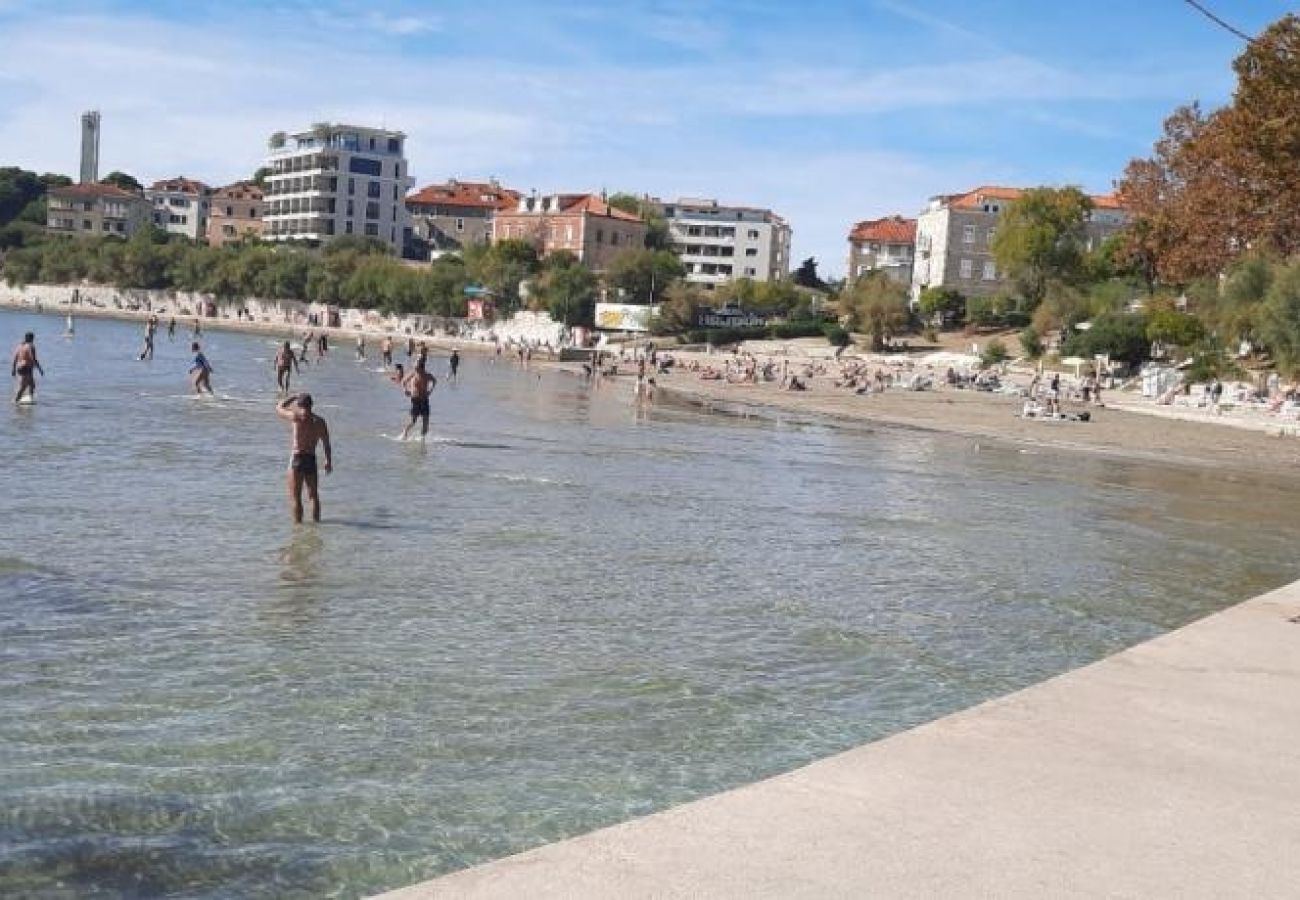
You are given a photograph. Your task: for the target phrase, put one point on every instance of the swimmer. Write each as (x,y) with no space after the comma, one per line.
(399,376)
(418,384)
(285,359)
(309,430)
(454,363)
(386,352)
(201,371)
(22,366)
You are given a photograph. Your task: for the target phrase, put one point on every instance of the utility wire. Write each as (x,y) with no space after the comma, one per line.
(1217,21)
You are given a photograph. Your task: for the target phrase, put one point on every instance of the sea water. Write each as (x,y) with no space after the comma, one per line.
(559,612)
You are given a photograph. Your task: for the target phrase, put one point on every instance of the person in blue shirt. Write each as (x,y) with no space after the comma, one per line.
(201,371)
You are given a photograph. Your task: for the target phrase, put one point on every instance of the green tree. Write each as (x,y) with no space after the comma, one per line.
(569,292)
(1167,325)
(680,308)
(122,180)
(1041,239)
(1279,320)
(642,276)
(877,305)
(806,275)
(946,303)
(1122,336)
(1031,342)
(656,236)
(501,267)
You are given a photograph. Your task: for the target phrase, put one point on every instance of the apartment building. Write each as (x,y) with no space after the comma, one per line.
(235,212)
(448,216)
(96,209)
(882,245)
(336,180)
(717,243)
(180,206)
(584,224)
(954,238)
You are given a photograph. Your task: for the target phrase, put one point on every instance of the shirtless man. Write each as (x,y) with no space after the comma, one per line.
(285,359)
(309,430)
(201,371)
(386,351)
(418,385)
(361,348)
(24,362)
(454,364)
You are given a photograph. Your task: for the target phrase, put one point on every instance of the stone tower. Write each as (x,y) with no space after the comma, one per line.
(90,147)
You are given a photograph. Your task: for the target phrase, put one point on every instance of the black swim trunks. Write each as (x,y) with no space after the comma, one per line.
(419,407)
(304,463)
(24,371)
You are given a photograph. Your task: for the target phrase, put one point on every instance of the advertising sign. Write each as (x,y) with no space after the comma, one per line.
(624,316)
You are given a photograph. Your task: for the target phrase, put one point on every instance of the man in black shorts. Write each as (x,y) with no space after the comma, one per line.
(24,362)
(418,385)
(309,430)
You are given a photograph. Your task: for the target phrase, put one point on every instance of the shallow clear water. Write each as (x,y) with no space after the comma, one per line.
(558,614)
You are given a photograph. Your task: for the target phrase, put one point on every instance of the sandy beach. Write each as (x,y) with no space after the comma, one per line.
(1124,428)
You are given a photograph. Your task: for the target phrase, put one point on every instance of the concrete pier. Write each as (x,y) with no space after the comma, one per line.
(1171,769)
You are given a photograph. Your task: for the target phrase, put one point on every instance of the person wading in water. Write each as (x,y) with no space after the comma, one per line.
(22,366)
(309,430)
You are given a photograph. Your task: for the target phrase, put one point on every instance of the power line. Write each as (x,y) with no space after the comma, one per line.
(1217,21)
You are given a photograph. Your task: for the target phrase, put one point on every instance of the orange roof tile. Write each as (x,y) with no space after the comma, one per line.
(94,189)
(471,194)
(180,185)
(974,199)
(593,205)
(240,190)
(890,230)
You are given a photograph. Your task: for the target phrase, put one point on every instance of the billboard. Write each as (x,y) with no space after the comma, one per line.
(624,316)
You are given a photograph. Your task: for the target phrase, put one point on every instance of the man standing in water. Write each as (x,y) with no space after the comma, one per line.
(24,362)
(149,328)
(309,430)
(285,359)
(418,385)
(454,364)
(171,329)
(386,351)
(201,371)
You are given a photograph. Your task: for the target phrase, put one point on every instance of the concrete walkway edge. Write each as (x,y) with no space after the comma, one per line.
(1169,769)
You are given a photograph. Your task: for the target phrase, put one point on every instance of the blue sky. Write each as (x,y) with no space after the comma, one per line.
(828,112)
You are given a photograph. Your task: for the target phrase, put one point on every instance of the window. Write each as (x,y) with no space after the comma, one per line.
(600,235)
(106,226)
(372,229)
(751,251)
(361,166)
(988,236)
(968,234)
(613,238)
(990,270)
(460,224)
(347,228)
(228,230)
(395,146)
(119,226)
(966,268)
(252,212)
(395,197)
(753,234)
(750,272)
(372,189)
(352,186)
(230,210)
(86,225)
(372,210)
(351,210)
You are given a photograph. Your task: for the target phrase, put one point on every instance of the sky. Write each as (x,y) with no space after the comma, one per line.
(826,111)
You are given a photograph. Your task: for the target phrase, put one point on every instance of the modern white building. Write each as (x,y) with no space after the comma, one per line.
(719,243)
(954,238)
(337,180)
(180,206)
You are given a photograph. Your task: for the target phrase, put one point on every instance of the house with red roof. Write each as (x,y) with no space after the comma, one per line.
(584,224)
(954,238)
(882,245)
(235,212)
(95,209)
(180,206)
(448,216)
